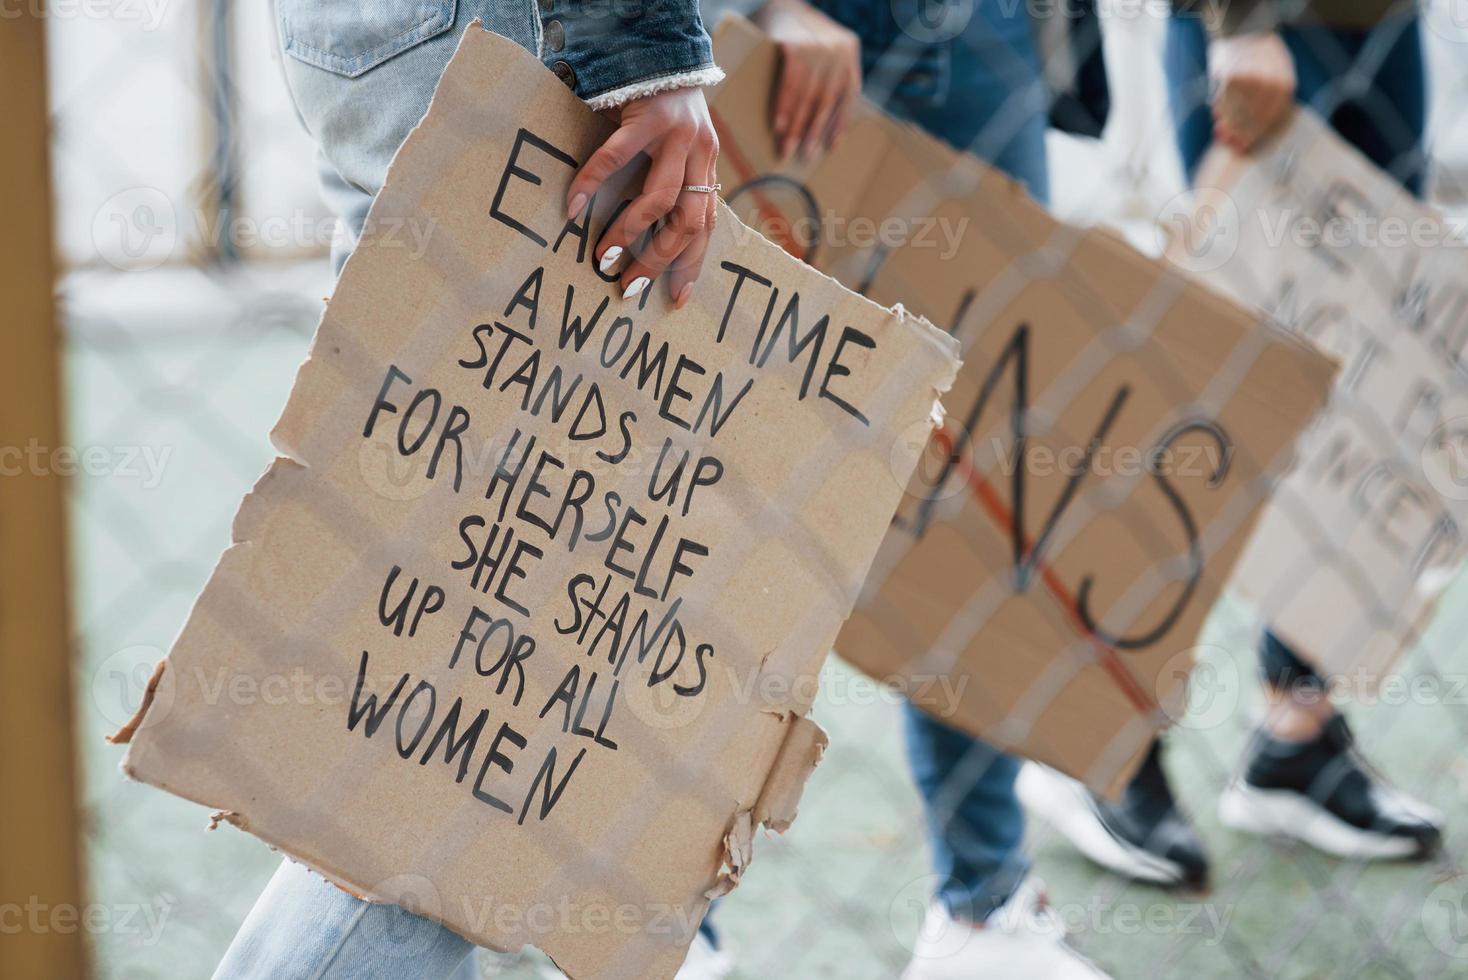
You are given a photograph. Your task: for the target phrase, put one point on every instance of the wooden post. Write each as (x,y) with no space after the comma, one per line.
(40,876)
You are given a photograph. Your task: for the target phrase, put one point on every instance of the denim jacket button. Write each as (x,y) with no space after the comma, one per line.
(565,73)
(555,35)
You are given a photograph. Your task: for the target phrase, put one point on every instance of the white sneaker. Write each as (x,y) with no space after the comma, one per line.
(1023,939)
(1144,837)
(704,962)
(1323,793)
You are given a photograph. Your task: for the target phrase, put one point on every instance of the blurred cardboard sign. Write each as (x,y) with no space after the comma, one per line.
(1108,443)
(1368,528)
(517,630)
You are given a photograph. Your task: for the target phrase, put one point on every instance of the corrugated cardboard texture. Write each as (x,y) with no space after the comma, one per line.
(1106,449)
(1367,531)
(542,695)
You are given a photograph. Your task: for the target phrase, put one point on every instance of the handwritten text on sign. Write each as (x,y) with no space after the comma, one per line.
(1105,446)
(623,608)
(570,557)
(1367,530)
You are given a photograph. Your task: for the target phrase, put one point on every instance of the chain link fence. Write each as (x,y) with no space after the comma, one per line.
(196,250)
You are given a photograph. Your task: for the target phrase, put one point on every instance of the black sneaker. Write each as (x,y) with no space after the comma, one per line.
(1144,837)
(1322,793)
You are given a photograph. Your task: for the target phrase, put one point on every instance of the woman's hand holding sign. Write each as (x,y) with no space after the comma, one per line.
(820,76)
(1253,80)
(678,199)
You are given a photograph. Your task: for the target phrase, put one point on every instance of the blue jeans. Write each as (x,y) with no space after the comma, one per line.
(304,928)
(982,92)
(1385,119)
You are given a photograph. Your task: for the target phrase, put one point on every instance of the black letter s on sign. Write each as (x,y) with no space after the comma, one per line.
(1190,529)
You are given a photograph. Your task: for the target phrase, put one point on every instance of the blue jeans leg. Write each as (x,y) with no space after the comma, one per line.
(975,821)
(1185,62)
(990,99)
(1372,87)
(305,928)
(992,104)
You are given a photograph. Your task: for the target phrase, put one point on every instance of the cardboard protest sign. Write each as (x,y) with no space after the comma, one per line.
(516,631)
(1367,530)
(1106,447)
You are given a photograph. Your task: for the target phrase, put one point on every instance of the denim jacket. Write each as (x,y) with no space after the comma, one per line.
(607,51)
(362,73)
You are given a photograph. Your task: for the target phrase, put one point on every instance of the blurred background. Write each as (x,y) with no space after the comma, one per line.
(191,268)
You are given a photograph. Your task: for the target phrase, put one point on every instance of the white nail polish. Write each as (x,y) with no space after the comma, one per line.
(636,286)
(609,258)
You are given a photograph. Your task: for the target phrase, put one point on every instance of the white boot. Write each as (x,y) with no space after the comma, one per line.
(1023,939)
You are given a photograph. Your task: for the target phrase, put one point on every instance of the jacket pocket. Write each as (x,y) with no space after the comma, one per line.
(352,38)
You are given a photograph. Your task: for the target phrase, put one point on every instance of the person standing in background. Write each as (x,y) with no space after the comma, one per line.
(1234,73)
(974,81)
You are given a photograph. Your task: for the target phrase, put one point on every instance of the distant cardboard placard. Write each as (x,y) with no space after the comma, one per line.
(1107,446)
(518,630)
(1368,529)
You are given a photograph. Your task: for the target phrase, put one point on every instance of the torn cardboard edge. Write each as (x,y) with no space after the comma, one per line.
(799,746)
(775,809)
(804,745)
(124,735)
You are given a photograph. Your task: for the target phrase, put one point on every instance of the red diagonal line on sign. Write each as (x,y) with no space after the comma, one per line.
(776,226)
(985,494)
(999,512)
